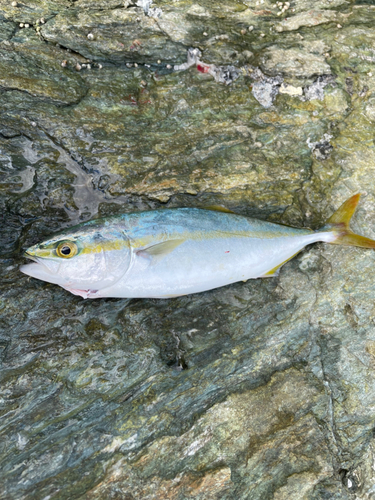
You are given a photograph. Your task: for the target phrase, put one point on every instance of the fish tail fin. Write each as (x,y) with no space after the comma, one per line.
(338,223)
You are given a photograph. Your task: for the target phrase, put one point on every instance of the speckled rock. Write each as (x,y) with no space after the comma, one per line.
(259,390)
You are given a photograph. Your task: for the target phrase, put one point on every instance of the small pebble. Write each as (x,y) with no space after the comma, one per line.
(90,36)
(68,50)
(243,32)
(21,25)
(83,65)
(135,65)
(148,66)
(143,83)
(129,65)
(159,61)
(33,124)
(262,35)
(78,67)
(42,20)
(138,19)
(339,26)
(100,66)
(369,74)
(279,13)
(205,34)
(89,66)
(168,66)
(27,25)
(14,4)
(251,28)
(64,63)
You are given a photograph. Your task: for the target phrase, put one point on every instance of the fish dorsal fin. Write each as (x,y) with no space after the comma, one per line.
(160,250)
(219,208)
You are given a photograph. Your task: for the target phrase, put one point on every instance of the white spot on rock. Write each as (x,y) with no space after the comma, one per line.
(21,442)
(290,90)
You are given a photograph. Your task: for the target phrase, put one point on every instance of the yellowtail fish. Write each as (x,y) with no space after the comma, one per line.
(167,253)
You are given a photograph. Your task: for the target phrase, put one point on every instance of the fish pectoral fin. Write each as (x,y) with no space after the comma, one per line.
(85,294)
(160,250)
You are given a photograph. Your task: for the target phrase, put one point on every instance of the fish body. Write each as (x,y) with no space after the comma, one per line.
(167,253)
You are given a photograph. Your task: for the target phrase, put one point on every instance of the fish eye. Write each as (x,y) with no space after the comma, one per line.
(66,249)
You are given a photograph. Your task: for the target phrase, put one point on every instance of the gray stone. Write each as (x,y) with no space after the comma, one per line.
(294,63)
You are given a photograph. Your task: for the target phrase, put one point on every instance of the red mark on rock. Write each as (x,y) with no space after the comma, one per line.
(135,45)
(227,251)
(202,68)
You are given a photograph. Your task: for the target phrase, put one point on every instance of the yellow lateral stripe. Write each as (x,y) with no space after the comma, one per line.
(154,239)
(144,241)
(104,246)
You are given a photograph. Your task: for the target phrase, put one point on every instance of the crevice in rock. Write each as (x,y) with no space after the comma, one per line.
(334,441)
(15,30)
(9,137)
(46,99)
(11,89)
(68,49)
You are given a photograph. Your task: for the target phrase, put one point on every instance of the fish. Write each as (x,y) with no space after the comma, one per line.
(172,252)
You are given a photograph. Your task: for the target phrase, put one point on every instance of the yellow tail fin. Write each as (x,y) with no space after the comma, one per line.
(339,222)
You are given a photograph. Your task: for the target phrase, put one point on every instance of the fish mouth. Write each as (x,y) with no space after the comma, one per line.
(30,256)
(40,270)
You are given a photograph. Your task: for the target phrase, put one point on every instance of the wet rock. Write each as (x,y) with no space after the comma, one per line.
(294,63)
(32,11)
(310,18)
(120,34)
(50,82)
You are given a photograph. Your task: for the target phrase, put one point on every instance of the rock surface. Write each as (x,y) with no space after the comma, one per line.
(259,390)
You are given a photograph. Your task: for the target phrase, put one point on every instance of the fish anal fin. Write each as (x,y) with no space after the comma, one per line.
(272,272)
(275,270)
(160,250)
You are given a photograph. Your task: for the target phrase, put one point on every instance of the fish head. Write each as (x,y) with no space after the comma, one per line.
(91,256)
